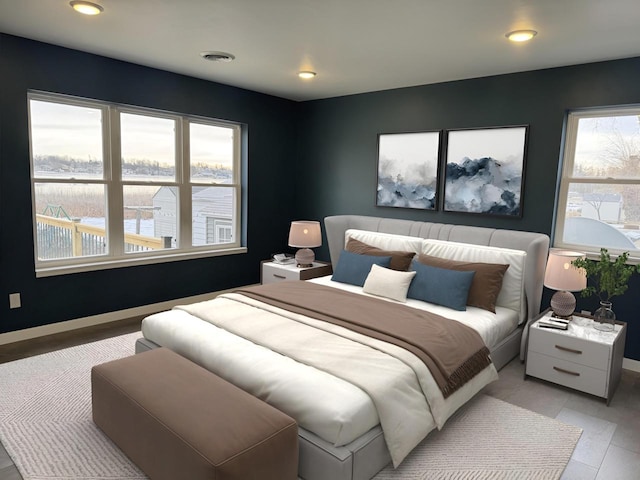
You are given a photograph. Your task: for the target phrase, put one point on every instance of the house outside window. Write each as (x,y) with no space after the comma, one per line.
(116,185)
(218,231)
(599,197)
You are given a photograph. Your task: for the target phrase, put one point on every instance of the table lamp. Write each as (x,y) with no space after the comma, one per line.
(560,275)
(305,235)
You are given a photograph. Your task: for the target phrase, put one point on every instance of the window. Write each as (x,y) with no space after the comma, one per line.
(117,185)
(599,197)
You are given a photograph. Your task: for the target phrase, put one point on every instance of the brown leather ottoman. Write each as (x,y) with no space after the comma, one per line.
(174,419)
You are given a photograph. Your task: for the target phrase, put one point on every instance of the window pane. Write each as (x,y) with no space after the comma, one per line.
(213,209)
(150,218)
(608,147)
(66,141)
(70,220)
(148,148)
(211,153)
(603,216)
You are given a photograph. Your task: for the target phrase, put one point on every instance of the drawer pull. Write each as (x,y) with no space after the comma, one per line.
(575,374)
(279,276)
(570,350)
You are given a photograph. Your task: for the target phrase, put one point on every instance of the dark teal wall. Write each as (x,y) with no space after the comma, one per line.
(24,65)
(337,145)
(326,148)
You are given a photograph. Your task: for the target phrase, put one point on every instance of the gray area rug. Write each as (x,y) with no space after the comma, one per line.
(46,427)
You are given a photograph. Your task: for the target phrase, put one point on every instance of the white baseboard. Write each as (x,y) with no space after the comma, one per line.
(44,330)
(630,364)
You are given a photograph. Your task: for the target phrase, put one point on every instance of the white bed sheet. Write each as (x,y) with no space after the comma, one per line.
(492,327)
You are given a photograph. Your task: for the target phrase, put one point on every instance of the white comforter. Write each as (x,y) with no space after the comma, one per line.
(336,383)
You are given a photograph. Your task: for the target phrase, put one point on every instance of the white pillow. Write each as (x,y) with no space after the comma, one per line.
(388,283)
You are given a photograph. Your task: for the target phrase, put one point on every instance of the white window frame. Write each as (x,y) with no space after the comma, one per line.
(567,178)
(114,183)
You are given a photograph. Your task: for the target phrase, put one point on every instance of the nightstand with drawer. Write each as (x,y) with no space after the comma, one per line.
(580,357)
(272,272)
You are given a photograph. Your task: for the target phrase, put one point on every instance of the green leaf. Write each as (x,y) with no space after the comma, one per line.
(609,278)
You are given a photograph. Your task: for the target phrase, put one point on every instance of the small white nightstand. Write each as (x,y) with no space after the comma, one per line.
(580,357)
(272,272)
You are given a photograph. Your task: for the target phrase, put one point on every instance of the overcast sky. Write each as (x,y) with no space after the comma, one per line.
(74,131)
(596,137)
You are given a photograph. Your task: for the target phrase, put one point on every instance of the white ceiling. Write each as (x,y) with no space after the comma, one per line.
(355,46)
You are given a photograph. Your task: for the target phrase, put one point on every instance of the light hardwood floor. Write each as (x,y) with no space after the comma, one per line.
(608,449)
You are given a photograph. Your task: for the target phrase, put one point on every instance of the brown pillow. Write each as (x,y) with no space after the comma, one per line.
(486,283)
(399,260)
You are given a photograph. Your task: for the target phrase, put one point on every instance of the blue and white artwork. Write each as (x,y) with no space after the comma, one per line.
(484,171)
(408,170)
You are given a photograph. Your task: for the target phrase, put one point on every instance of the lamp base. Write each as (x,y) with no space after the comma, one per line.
(305,257)
(563,303)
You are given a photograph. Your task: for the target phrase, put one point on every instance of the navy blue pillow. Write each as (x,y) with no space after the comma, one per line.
(449,288)
(354,268)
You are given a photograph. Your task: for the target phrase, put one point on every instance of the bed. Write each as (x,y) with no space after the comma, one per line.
(360,399)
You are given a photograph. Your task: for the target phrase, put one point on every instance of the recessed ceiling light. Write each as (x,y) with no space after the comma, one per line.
(306,74)
(217,56)
(86,8)
(521,35)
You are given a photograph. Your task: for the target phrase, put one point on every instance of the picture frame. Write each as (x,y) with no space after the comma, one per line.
(408,170)
(484,170)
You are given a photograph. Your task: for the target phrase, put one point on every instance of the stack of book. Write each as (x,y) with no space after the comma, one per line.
(550,322)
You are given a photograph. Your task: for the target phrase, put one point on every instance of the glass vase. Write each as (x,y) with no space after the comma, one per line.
(604,318)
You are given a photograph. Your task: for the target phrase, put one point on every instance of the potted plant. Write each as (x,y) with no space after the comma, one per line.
(609,278)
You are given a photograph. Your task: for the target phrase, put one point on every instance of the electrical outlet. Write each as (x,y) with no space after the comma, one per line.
(14,300)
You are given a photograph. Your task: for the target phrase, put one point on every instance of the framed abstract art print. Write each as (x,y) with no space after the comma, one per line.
(484,170)
(408,170)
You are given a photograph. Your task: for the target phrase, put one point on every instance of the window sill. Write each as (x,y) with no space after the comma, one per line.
(132,262)
(593,253)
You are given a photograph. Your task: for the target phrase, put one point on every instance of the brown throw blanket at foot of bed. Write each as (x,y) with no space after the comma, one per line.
(453,352)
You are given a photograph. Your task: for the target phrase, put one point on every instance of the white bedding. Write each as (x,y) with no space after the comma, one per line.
(337,402)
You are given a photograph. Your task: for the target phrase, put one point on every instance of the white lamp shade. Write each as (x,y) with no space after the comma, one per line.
(305,234)
(561,275)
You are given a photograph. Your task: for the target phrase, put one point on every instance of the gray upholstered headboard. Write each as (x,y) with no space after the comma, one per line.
(535,244)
